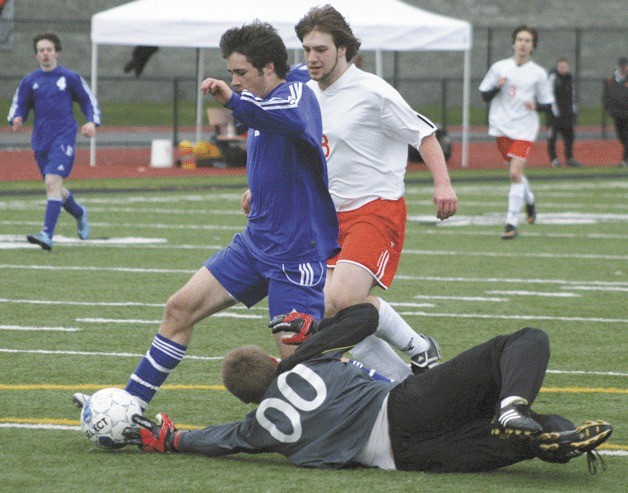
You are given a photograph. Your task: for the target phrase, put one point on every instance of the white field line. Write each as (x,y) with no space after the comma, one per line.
(491,280)
(54,427)
(101,269)
(593,288)
(528,232)
(559,206)
(108,303)
(583,372)
(489,188)
(235,211)
(157,322)
(135,226)
(39,329)
(82,303)
(412,305)
(453,253)
(218,358)
(516,317)
(41,426)
(459,298)
(507,280)
(94,353)
(536,293)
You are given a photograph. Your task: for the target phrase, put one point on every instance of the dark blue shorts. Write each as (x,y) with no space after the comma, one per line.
(289,286)
(58,160)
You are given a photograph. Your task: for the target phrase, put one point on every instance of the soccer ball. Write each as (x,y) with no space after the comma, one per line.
(106,414)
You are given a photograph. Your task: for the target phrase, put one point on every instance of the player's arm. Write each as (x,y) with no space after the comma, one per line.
(290,112)
(88,104)
(487,96)
(162,436)
(20,106)
(338,333)
(445,197)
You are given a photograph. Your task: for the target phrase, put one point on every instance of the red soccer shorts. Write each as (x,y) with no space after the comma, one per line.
(372,236)
(509,148)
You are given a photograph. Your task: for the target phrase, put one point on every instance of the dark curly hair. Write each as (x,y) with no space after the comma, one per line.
(53,38)
(260,43)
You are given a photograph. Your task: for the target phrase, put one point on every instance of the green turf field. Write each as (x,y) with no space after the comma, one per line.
(79,318)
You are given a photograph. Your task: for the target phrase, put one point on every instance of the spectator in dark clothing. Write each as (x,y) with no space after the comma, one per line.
(615,99)
(562,116)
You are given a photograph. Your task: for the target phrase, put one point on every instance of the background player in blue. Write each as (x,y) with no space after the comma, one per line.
(292,228)
(471,413)
(49,92)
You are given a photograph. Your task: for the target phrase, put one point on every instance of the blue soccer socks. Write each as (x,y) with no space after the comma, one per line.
(53,209)
(70,205)
(163,356)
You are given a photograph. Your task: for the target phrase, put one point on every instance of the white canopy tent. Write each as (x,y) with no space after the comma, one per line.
(381,25)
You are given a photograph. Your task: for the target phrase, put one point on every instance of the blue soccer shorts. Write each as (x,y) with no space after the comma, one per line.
(289,286)
(58,160)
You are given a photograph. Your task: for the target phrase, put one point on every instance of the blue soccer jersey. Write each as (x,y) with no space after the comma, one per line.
(292,215)
(50,96)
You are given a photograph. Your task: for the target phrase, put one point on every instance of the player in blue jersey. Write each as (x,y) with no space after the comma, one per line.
(50,92)
(471,413)
(292,228)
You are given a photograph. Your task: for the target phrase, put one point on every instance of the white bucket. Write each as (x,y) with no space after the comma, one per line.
(161,153)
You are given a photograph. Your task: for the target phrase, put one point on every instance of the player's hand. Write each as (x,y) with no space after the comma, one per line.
(501,82)
(16,124)
(88,130)
(158,436)
(218,89)
(299,324)
(246,203)
(446,202)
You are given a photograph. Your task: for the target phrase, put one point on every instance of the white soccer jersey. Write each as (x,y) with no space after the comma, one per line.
(367,127)
(508,116)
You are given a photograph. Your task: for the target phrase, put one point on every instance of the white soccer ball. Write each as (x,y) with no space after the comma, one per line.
(106,414)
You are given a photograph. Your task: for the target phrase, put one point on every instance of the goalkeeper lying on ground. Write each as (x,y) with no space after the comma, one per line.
(472,413)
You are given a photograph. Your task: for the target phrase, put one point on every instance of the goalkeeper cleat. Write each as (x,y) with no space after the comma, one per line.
(530,213)
(82,226)
(160,435)
(515,419)
(562,446)
(42,239)
(79,399)
(510,233)
(429,358)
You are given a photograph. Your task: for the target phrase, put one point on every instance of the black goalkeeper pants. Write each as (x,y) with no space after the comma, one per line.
(440,420)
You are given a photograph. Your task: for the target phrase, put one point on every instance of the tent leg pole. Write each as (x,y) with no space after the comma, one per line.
(199,97)
(92,141)
(465,108)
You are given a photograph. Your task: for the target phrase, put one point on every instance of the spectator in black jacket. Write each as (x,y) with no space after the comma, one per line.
(562,116)
(615,99)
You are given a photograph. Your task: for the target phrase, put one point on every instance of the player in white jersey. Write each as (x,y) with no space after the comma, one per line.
(367,127)
(517,88)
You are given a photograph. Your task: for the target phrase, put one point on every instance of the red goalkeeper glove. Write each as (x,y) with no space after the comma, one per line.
(158,436)
(299,324)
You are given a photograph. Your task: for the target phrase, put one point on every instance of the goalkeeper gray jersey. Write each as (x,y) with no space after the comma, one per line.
(318,414)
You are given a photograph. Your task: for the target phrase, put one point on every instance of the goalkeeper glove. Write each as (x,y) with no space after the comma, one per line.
(300,324)
(158,436)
